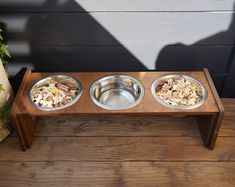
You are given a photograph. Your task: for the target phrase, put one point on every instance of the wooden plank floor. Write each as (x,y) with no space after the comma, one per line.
(142,152)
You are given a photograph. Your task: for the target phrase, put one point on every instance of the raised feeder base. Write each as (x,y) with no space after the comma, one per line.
(209,115)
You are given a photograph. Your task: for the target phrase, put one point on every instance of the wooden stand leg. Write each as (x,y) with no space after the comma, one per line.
(205,124)
(25,126)
(16,124)
(28,125)
(215,130)
(215,122)
(209,126)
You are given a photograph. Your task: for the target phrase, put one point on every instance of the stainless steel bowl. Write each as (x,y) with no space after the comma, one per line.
(189,78)
(55,78)
(117,92)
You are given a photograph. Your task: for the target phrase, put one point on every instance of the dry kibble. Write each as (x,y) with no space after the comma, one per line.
(179,92)
(55,93)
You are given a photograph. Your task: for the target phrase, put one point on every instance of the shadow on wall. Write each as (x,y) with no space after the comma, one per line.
(180,57)
(62,36)
(66,38)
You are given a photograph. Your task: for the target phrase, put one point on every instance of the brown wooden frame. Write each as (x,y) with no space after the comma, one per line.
(209,115)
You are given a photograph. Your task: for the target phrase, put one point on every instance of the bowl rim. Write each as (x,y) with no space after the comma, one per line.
(106,77)
(55,76)
(187,77)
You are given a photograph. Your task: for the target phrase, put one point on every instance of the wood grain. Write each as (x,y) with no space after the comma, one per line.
(219,116)
(117,126)
(119,149)
(163,127)
(107,160)
(227,126)
(155,126)
(124,174)
(132,126)
(14,109)
(149,106)
(229,106)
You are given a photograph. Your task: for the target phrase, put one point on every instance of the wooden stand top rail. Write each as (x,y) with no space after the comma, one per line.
(85,106)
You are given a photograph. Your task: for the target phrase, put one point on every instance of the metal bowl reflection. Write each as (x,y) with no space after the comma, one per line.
(117,92)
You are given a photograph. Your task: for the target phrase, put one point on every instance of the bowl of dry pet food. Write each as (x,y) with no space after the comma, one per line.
(179,91)
(55,92)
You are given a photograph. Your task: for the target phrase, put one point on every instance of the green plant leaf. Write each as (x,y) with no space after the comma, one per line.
(5,111)
(4,52)
(4,49)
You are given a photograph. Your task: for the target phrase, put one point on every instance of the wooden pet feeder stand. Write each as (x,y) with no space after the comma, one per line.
(209,115)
